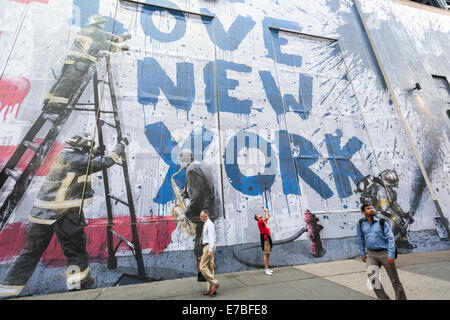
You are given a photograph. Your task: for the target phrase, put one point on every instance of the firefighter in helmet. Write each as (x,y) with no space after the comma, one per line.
(379,192)
(88,45)
(58,209)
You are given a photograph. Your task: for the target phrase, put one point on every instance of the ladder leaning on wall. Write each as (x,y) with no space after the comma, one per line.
(22,179)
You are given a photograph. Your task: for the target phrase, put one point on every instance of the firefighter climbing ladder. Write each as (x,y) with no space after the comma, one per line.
(23,178)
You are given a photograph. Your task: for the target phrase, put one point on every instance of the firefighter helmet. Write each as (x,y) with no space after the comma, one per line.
(389,177)
(364,183)
(83,140)
(96,20)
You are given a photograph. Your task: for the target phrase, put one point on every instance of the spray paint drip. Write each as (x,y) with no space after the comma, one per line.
(13,90)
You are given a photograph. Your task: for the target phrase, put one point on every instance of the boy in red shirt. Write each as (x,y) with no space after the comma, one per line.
(266,240)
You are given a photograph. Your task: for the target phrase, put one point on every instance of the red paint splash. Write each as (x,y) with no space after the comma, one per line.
(7,151)
(13,90)
(155,233)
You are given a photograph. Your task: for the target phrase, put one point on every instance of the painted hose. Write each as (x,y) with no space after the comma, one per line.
(237,251)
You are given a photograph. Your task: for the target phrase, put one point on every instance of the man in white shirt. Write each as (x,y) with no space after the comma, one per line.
(209,248)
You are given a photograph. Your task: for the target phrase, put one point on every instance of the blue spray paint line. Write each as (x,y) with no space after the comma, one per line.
(152,79)
(162,141)
(230,40)
(250,185)
(342,167)
(227,103)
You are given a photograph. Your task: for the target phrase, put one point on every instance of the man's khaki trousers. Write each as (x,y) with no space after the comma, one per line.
(378,259)
(207,266)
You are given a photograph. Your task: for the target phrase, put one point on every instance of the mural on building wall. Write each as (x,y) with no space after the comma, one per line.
(122,120)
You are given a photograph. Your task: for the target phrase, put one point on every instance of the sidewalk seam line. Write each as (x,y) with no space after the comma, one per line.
(98,295)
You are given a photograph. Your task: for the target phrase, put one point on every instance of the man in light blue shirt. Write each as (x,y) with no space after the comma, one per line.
(380,245)
(208,239)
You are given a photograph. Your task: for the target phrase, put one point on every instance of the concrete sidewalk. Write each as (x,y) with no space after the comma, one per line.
(425,276)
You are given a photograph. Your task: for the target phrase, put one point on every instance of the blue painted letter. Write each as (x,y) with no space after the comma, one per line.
(236,33)
(307,155)
(160,138)
(151,30)
(152,78)
(302,107)
(342,167)
(287,169)
(227,103)
(250,185)
(272,37)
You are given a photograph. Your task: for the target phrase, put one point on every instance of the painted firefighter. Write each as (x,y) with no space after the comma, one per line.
(58,209)
(89,44)
(379,192)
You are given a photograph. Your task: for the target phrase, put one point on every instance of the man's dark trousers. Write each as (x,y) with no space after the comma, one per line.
(70,235)
(379,258)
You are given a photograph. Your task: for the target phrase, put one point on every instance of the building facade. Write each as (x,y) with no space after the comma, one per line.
(307,108)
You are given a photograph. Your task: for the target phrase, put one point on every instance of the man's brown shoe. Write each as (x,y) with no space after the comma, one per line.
(213,290)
